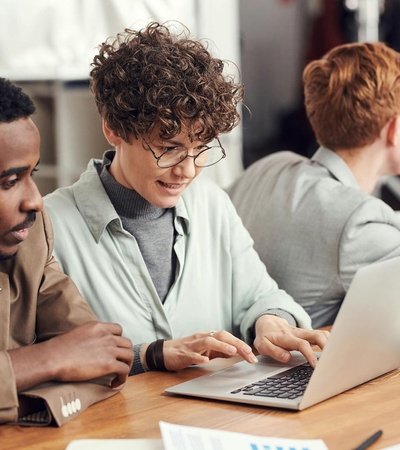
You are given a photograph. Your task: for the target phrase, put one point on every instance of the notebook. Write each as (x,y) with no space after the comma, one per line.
(364,343)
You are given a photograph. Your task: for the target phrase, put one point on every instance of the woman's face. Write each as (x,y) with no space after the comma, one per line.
(135,167)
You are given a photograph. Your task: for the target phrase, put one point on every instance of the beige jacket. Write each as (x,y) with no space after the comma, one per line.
(38,301)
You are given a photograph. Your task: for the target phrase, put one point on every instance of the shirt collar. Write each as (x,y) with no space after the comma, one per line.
(93,202)
(182,221)
(97,210)
(336,166)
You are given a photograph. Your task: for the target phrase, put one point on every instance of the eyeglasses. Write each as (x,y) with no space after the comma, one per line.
(206,156)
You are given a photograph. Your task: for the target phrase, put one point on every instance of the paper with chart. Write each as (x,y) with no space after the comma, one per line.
(178,437)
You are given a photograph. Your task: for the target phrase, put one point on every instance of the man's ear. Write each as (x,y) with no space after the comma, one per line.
(112,138)
(393,132)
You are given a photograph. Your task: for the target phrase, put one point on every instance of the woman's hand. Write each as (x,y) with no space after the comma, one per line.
(276,338)
(202,347)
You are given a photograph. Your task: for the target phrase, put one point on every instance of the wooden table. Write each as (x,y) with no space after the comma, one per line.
(342,422)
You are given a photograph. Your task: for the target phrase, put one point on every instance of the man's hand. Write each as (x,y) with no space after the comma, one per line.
(202,347)
(89,351)
(275,338)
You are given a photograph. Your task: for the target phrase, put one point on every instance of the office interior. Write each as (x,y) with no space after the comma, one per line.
(46,46)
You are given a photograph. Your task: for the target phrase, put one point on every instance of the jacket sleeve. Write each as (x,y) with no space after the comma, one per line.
(371,234)
(8,390)
(61,307)
(55,403)
(45,303)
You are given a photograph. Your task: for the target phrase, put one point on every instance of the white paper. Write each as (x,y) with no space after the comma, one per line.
(178,437)
(115,444)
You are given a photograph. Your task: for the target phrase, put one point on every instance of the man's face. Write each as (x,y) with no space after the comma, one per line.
(135,168)
(19,195)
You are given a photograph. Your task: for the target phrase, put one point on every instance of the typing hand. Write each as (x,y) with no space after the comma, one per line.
(202,347)
(276,338)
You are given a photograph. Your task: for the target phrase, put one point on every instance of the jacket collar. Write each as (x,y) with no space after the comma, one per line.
(336,166)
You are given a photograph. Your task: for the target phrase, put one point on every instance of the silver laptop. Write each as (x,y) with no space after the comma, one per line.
(364,343)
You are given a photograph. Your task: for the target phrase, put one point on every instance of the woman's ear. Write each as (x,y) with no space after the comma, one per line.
(112,138)
(393,133)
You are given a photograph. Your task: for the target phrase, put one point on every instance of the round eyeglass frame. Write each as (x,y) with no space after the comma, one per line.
(157,158)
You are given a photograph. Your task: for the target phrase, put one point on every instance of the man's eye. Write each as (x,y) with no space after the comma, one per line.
(9,183)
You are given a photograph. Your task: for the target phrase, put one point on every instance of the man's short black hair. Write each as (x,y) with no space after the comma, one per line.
(14,103)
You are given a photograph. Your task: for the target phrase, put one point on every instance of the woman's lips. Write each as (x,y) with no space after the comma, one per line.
(174,187)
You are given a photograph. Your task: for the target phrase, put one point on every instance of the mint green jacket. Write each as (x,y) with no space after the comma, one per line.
(220,283)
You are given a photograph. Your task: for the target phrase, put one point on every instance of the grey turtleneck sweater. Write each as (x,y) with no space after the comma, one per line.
(152,227)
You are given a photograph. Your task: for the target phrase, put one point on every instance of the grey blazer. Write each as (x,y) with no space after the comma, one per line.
(313,227)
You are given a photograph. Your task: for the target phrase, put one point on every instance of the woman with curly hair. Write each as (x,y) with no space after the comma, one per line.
(151,244)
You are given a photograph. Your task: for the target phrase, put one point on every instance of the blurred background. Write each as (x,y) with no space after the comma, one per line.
(46,46)
(278,40)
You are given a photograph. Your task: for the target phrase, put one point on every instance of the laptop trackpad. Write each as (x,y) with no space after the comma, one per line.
(246,371)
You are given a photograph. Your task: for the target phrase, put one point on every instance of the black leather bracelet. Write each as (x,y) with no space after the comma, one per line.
(155,355)
(159,354)
(150,356)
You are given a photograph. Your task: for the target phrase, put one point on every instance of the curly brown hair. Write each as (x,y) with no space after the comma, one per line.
(151,76)
(352,93)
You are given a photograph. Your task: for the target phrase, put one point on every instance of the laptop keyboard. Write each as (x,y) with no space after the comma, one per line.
(288,384)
